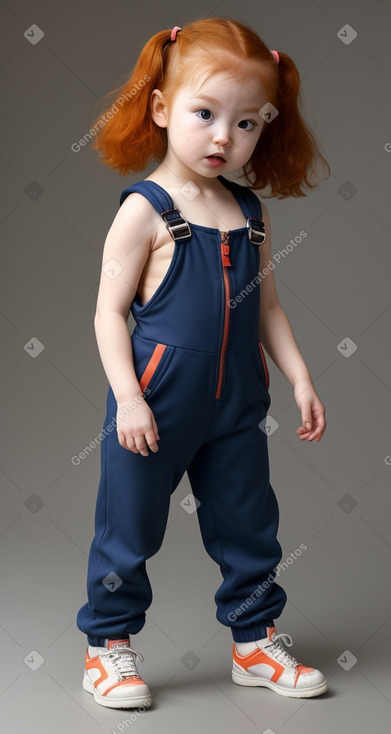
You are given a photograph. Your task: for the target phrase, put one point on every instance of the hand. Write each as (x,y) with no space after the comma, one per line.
(136,427)
(312,411)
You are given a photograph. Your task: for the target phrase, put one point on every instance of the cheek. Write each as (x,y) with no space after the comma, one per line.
(192,127)
(250,140)
(242,141)
(190,130)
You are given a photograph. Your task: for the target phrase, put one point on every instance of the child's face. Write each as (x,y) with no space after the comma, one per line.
(227,123)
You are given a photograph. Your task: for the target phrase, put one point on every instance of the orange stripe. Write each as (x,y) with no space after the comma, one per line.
(301,669)
(264,365)
(225,262)
(96,663)
(152,365)
(258,657)
(130,681)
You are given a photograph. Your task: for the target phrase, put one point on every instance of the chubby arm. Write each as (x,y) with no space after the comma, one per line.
(276,332)
(278,339)
(128,243)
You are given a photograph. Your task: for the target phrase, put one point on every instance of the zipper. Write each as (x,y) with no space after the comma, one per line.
(225,261)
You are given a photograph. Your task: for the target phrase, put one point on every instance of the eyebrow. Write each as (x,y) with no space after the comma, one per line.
(211,99)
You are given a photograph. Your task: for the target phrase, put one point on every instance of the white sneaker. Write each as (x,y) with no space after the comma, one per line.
(112,677)
(270,665)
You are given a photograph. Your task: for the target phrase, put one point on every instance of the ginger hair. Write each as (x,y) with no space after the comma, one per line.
(287,151)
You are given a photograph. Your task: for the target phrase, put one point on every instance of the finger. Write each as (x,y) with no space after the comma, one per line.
(122,439)
(316,434)
(306,417)
(155,428)
(151,440)
(320,434)
(141,445)
(130,444)
(304,434)
(322,422)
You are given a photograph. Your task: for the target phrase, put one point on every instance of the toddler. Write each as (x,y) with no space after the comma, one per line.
(188,254)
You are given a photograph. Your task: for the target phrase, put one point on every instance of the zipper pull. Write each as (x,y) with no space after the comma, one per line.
(225,249)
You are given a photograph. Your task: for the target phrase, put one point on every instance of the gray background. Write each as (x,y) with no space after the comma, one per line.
(56,209)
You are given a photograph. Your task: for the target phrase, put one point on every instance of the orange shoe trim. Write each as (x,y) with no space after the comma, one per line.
(137,682)
(299,670)
(255,658)
(96,663)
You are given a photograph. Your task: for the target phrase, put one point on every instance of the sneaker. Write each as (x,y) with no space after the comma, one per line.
(270,665)
(112,677)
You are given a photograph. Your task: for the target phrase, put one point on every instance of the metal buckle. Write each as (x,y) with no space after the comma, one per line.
(256,230)
(177,226)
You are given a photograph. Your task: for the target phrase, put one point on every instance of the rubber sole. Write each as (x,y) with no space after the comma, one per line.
(122,703)
(245,680)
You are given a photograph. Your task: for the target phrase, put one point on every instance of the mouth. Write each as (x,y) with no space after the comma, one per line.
(216,156)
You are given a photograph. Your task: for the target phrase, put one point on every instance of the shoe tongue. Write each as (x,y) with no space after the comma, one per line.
(270,632)
(116,643)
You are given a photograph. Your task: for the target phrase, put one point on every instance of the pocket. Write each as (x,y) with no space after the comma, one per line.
(264,366)
(156,367)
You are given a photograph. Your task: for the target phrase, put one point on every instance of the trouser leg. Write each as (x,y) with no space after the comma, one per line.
(130,520)
(238,518)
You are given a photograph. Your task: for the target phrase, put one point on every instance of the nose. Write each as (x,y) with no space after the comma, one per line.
(221,135)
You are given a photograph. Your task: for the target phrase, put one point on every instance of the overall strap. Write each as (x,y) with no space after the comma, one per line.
(160,199)
(251,207)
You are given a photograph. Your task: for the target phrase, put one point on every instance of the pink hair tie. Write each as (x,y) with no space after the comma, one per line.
(276,55)
(174,32)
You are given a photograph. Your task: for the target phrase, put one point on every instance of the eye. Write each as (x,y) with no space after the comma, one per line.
(208,112)
(246,128)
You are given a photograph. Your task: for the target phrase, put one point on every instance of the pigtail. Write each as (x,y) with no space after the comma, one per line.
(287,152)
(126,136)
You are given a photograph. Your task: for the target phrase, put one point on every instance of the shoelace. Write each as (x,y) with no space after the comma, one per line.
(123,660)
(281,654)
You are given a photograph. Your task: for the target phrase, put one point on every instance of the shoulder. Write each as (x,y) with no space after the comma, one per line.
(254,192)
(265,249)
(137,214)
(265,211)
(265,218)
(134,200)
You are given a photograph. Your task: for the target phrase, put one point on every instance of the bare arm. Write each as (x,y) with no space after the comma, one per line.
(276,332)
(278,339)
(128,243)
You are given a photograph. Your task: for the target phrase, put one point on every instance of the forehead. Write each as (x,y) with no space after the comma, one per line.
(223,85)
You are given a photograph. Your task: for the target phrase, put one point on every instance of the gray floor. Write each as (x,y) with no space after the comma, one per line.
(187,652)
(56,209)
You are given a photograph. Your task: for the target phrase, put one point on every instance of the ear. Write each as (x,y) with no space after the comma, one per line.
(159,108)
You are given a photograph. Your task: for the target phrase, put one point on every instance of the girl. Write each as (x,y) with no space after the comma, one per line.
(188,254)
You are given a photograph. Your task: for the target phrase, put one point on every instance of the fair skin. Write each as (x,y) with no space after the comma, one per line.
(227,122)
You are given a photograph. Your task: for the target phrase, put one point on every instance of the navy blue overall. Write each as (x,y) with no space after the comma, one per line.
(200,363)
